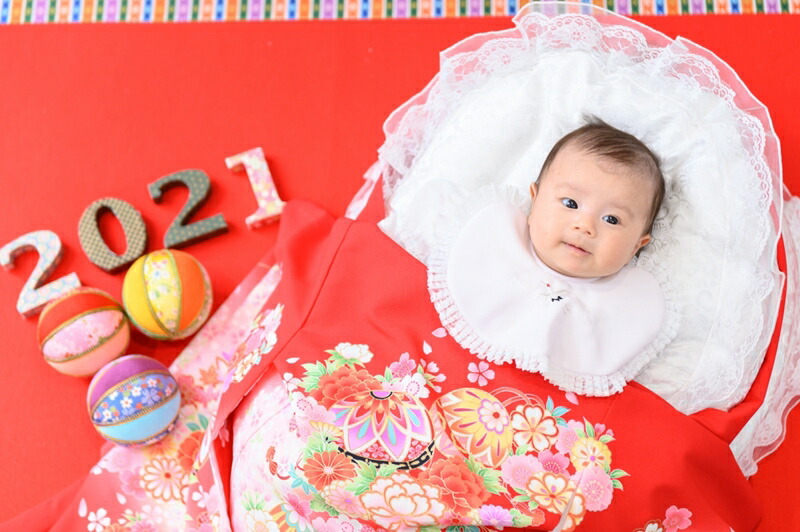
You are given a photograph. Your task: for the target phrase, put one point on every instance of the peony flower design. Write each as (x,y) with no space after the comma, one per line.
(534,426)
(461,489)
(354,353)
(342,383)
(399,502)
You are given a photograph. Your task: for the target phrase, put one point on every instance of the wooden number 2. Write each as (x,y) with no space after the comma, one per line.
(92,241)
(180,233)
(34,296)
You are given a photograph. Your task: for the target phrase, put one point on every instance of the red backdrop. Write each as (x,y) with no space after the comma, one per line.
(94,111)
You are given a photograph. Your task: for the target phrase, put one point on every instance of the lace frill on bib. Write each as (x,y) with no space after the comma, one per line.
(502,99)
(497,299)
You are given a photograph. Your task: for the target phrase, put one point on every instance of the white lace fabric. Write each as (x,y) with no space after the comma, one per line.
(502,99)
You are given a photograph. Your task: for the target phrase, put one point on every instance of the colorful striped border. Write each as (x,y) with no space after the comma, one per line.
(72,11)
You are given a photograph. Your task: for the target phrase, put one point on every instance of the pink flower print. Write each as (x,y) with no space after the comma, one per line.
(677,519)
(121,459)
(190,392)
(405,366)
(131,485)
(566,438)
(518,469)
(298,512)
(144,526)
(342,499)
(495,516)
(480,373)
(555,463)
(335,524)
(431,373)
(596,486)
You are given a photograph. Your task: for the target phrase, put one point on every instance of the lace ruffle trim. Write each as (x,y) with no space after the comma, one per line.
(494,350)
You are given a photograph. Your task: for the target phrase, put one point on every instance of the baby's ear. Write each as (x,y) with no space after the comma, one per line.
(534,189)
(643,242)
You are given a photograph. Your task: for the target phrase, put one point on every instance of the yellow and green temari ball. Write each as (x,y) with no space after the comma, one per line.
(167,294)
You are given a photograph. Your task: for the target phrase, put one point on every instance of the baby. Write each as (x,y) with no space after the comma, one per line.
(555,290)
(594,203)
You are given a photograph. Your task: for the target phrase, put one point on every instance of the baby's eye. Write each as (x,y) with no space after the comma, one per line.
(569,203)
(613,220)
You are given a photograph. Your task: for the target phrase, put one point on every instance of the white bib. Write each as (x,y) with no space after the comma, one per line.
(497,299)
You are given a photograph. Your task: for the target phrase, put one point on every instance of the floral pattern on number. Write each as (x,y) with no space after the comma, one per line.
(389,449)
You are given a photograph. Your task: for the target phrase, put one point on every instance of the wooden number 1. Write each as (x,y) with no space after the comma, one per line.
(270,205)
(34,296)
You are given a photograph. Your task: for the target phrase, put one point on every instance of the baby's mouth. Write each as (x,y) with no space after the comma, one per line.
(577,249)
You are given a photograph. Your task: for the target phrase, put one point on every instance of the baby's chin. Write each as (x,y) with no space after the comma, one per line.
(579,271)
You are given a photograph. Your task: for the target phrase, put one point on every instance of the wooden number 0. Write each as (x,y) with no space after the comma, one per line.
(34,296)
(92,241)
(180,233)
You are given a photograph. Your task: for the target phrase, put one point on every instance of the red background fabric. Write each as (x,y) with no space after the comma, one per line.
(88,112)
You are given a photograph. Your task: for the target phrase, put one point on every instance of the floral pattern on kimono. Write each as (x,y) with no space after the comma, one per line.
(371,446)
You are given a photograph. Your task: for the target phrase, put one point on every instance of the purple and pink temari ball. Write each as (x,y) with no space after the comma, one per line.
(133,400)
(82,331)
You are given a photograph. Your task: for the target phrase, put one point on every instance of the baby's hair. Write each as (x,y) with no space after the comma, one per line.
(610,143)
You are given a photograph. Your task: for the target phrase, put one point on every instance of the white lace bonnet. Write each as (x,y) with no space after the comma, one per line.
(502,99)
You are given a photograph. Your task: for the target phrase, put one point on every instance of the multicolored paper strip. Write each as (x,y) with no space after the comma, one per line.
(77,11)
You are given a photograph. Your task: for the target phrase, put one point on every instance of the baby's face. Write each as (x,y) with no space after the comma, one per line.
(588,215)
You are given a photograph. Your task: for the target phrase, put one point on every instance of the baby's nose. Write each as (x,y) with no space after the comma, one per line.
(584,224)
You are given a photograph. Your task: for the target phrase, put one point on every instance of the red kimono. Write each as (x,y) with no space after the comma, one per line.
(325,395)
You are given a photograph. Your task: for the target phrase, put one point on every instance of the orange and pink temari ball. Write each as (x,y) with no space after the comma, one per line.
(133,400)
(167,294)
(82,331)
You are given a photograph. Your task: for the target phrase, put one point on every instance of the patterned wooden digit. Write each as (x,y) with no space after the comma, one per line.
(180,233)
(34,296)
(92,241)
(270,205)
